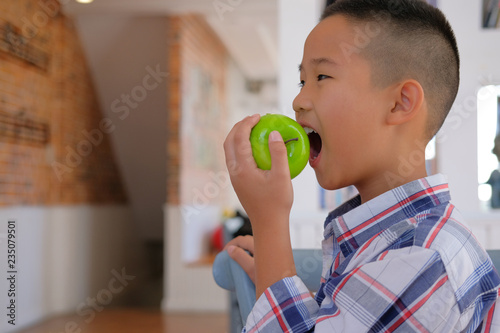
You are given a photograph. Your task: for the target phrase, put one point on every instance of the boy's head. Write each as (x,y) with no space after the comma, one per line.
(378,78)
(409,39)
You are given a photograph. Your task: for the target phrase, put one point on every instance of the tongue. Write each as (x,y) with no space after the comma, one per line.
(315,142)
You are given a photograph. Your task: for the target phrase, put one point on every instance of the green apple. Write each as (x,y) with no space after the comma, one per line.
(294,136)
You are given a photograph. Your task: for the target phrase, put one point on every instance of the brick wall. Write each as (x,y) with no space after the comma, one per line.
(196,113)
(54,144)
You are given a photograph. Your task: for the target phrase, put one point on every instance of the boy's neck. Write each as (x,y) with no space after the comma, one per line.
(387,181)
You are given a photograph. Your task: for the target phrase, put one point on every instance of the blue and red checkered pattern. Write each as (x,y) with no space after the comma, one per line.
(402,262)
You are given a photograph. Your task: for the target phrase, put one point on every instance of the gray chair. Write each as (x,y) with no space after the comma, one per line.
(495,258)
(230,276)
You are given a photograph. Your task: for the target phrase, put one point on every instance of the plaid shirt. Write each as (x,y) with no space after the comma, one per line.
(402,262)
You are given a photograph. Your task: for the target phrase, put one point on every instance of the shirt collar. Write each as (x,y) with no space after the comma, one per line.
(354,223)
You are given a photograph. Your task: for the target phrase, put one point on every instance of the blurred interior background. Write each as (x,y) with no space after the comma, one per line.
(112,119)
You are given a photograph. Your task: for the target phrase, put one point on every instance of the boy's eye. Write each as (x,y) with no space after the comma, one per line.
(320,77)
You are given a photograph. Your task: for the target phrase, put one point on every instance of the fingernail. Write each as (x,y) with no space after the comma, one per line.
(252,116)
(230,249)
(275,136)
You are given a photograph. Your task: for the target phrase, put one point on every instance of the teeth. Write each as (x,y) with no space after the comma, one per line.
(309,130)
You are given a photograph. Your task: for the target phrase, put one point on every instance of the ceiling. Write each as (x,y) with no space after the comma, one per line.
(248,28)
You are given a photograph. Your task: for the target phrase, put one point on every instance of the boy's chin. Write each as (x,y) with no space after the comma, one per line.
(326,182)
(331,182)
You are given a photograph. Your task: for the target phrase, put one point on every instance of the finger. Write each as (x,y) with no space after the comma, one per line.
(237,148)
(279,159)
(242,146)
(246,261)
(228,150)
(245,242)
(229,145)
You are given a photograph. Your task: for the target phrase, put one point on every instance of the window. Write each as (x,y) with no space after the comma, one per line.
(488,109)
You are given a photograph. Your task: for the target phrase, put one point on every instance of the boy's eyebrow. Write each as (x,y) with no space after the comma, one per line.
(319,61)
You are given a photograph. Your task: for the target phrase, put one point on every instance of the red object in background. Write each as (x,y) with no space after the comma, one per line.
(218,238)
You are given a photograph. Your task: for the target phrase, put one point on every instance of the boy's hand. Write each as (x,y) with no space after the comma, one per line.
(267,197)
(237,249)
(265,194)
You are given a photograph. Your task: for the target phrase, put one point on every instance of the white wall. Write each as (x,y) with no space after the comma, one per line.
(122,51)
(64,256)
(188,287)
(457,141)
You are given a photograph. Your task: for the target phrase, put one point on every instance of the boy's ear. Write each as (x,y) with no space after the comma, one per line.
(408,101)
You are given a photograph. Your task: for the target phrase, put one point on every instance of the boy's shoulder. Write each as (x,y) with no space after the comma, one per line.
(444,230)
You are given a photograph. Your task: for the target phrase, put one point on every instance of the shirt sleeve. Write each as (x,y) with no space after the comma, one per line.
(404,290)
(286,306)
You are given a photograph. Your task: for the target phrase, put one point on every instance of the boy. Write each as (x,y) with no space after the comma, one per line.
(378,78)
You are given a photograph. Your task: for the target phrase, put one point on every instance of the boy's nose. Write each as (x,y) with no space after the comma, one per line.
(302,102)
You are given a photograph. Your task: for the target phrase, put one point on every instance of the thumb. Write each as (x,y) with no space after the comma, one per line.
(277,148)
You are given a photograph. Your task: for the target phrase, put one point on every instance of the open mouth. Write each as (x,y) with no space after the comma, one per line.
(314,142)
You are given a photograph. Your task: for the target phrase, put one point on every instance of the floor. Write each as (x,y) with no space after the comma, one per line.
(138,312)
(135,321)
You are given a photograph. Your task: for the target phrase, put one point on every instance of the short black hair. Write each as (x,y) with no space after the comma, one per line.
(416,41)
